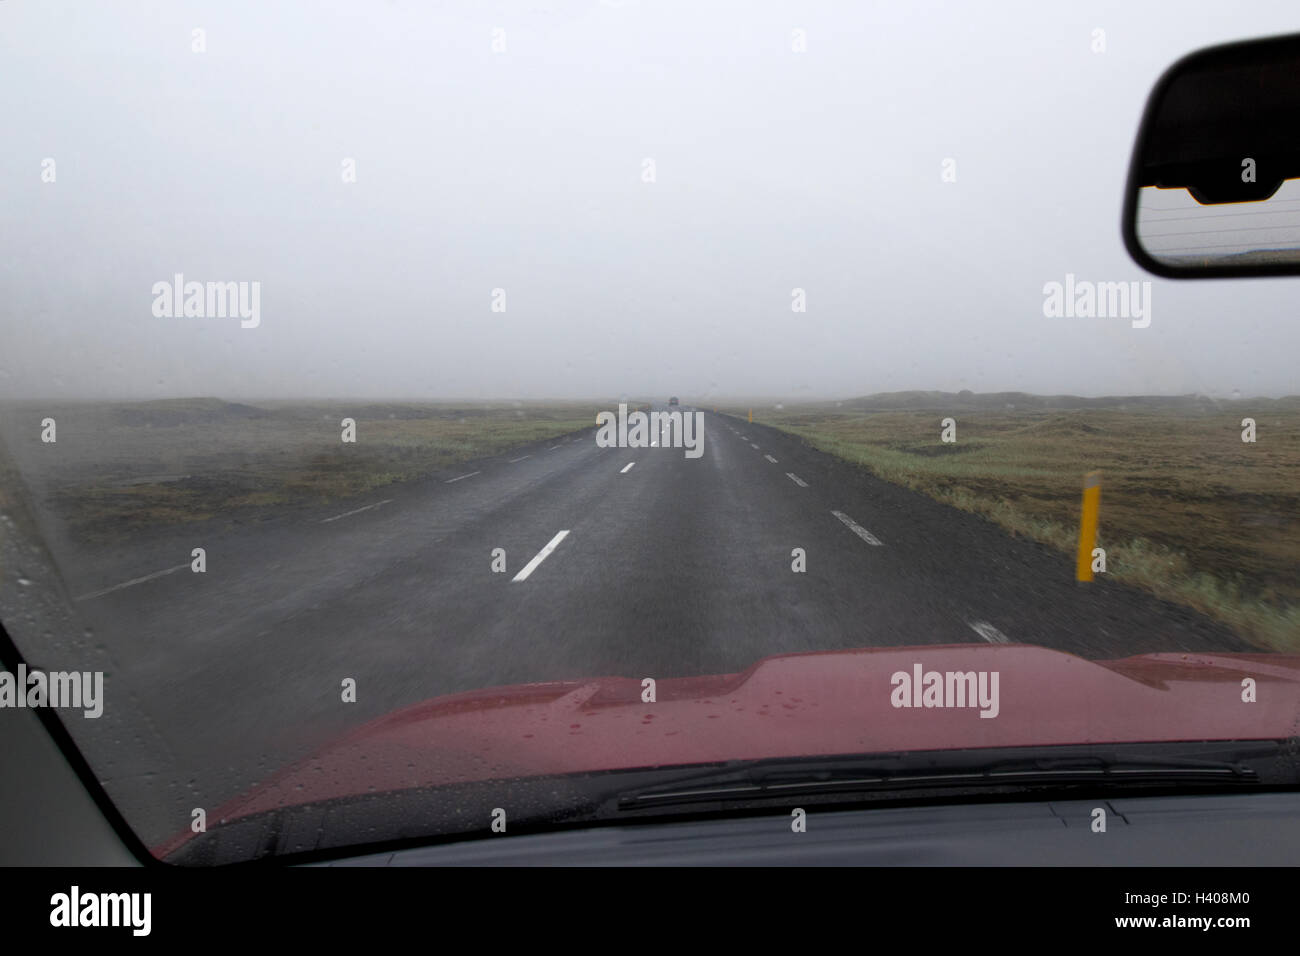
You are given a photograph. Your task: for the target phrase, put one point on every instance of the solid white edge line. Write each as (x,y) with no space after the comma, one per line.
(356,511)
(856,528)
(541,556)
(127,584)
(462,477)
(990,633)
(627,468)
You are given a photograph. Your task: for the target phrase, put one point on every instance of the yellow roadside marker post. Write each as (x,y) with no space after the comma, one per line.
(751,416)
(1088,525)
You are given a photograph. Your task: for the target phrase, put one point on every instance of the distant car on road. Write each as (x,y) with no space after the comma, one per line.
(673,400)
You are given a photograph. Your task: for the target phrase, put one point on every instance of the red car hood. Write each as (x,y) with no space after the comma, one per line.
(821,703)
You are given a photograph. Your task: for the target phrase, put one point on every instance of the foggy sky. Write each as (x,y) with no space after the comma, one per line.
(522,170)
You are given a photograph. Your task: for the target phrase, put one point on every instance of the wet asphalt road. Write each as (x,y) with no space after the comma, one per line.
(672,567)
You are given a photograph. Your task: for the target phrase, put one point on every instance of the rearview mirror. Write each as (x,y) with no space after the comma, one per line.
(1214,184)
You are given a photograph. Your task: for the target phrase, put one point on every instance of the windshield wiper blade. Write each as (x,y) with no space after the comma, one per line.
(1222,765)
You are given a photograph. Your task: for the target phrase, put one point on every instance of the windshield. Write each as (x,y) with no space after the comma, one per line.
(429,418)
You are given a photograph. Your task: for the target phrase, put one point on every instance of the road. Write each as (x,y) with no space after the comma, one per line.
(667,566)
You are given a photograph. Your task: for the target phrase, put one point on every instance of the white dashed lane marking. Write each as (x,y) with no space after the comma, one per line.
(627,468)
(541,556)
(856,528)
(796,479)
(462,477)
(990,633)
(770,458)
(513,460)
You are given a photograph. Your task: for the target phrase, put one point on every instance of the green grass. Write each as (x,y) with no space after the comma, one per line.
(1188,511)
(133,466)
